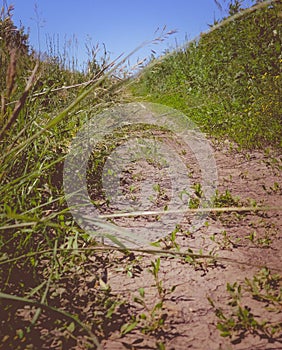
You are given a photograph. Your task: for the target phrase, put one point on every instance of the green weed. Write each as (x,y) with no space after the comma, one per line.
(240,320)
(225,241)
(152,320)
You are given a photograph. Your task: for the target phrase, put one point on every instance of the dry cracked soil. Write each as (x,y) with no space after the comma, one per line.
(182,305)
(246,244)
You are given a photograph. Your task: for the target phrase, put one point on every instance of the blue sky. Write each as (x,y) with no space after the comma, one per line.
(120,24)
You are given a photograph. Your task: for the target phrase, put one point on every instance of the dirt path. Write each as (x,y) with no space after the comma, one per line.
(174,306)
(252,239)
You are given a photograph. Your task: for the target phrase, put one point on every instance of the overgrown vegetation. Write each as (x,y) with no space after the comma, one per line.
(39,238)
(228,81)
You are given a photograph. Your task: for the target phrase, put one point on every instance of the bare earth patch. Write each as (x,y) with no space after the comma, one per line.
(132,303)
(251,240)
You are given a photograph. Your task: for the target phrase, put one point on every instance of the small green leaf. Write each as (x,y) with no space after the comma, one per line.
(103,285)
(20,333)
(158,306)
(225,334)
(141,292)
(71,327)
(128,327)
(155,244)
(160,346)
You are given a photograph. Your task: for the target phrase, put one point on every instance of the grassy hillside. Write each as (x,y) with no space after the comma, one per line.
(229,81)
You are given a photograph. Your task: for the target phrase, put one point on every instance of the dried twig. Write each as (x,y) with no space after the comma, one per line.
(20,103)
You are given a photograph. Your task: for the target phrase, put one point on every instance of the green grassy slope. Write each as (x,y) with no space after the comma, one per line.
(229,82)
